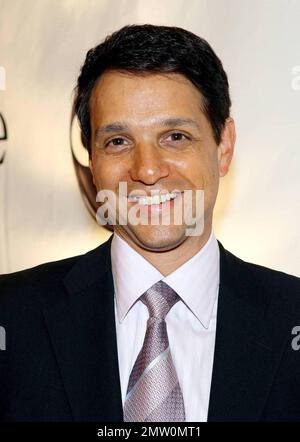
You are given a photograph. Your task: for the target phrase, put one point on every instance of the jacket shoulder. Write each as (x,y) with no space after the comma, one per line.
(262,284)
(28,284)
(263,271)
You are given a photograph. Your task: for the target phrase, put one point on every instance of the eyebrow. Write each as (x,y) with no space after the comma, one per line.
(120,126)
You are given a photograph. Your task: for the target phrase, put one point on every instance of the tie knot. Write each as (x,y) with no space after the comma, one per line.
(159,299)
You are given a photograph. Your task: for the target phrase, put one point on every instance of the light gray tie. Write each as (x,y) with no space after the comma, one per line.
(153,393)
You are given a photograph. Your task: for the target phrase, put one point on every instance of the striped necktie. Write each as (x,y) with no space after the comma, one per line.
(153,393)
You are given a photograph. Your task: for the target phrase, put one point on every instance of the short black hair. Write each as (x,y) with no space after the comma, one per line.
(142,49)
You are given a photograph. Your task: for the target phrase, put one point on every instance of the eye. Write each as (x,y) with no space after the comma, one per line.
(177,137)
(117,141)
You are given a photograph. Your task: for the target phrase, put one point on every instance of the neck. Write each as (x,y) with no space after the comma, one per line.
(168,261)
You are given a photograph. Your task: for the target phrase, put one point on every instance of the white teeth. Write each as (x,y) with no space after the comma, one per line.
(156,199)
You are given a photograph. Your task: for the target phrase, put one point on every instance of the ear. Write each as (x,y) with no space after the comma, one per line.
(226,146)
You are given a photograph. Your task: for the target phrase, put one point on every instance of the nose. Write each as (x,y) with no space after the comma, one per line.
(148,164)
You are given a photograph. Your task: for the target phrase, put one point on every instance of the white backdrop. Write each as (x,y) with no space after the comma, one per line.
(42,46)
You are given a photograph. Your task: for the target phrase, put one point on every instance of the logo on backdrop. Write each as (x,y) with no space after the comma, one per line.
(3,129)
(295,83)
(3,137)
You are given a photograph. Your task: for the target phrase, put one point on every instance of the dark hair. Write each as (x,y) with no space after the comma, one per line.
(142,49)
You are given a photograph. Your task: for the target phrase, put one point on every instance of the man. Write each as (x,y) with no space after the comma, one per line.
(155,324)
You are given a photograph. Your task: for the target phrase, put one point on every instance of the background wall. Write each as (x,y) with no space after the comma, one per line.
(42,46)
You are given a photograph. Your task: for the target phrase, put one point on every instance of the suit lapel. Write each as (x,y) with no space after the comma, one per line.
(250,340)
(83,334)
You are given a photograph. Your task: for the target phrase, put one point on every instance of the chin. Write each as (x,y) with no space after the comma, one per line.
(158,238)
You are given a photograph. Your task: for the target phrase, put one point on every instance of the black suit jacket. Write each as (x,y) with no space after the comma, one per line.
(61,362)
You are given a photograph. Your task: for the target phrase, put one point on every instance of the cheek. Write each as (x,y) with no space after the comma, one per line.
(102,177)
(211,176)
(108,173)
(199,170)
(209,165)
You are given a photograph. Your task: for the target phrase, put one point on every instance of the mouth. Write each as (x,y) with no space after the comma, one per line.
(154,200)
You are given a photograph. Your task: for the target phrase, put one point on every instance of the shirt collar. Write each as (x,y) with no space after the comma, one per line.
(196,281)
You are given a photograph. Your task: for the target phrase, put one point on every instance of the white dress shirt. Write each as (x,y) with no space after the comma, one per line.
(191,322)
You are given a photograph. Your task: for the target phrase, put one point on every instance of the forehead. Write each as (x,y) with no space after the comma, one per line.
(119,95)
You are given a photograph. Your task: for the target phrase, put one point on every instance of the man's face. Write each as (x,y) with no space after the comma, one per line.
(151,133)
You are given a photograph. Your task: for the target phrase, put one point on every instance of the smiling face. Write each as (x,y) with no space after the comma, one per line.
(150,132)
